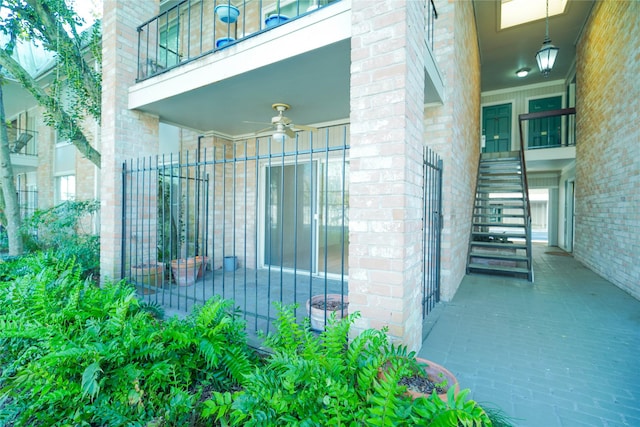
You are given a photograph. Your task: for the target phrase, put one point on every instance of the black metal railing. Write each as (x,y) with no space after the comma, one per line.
(259,222)
(432,228)
(548,132)
(431,15)
(23,141)
(27,202)
(194,28)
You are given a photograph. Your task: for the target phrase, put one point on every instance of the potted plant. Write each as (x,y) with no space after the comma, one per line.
(427,376)
(275,19)
(227,13)
(322,306)
(185,270)
(150,274)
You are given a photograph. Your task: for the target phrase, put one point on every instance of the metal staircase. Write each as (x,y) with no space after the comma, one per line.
(500,240)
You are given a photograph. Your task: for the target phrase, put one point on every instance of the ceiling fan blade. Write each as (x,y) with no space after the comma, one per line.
(269,129)
(290,133)
(256,123)
(301,127)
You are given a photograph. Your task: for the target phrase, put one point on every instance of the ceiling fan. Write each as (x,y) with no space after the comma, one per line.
(281,125)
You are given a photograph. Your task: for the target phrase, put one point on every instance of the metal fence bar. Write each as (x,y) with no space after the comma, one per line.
(432,225)
(255,202)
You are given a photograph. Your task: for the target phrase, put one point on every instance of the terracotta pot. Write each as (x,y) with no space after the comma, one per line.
(150,274)
(204,260)
(185,270)
(436,373)
(317,315)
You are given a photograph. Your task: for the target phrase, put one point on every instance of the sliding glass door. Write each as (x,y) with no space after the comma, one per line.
(306,216)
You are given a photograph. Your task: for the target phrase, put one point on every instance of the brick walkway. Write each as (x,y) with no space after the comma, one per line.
(564,351)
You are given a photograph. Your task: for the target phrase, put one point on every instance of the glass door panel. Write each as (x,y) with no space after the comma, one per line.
(333,235)
(289,231)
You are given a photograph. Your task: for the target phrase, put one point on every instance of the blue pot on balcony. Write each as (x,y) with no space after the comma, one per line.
(227,13)
(275,20)
(224,41)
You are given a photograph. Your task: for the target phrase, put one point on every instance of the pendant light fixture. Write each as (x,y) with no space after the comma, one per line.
(546,56)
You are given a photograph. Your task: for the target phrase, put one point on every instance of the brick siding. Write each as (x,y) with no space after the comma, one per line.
(607,209)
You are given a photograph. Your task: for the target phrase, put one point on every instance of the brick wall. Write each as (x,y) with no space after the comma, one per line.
(387,80)
(125,134)
(452,130)
(607,209)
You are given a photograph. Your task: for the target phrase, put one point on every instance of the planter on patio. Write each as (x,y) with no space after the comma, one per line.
(436,374)
(150,274)
(185,270)
(318,305)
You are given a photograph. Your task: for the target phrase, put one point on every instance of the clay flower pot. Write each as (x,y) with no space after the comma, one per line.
(185,270)
(149,274)
(436,374)
(318,304)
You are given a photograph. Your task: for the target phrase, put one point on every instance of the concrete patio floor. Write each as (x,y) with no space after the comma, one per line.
(563,351)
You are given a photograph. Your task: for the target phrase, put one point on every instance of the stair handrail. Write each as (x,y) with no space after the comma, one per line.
(532,116)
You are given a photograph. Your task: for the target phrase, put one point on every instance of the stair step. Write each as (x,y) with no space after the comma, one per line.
(497,215)
(498,245)
(498,268)
(497,224)
(500,235)
(496,255)
(500,199)
(500,181)
(498,189)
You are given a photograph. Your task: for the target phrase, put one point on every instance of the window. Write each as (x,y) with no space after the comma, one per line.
(65,188)
(168,54)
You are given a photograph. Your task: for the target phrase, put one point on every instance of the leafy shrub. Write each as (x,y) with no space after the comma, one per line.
(328,379)
(66,230)
(75,354)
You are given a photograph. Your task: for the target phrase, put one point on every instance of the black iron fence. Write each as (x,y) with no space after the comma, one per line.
(257,221)
(432,226)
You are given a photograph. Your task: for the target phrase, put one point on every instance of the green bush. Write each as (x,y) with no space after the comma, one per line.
(75,354)
(66,230)
(330,380)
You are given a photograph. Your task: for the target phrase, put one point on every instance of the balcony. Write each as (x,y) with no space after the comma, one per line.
(23,148)
(204,72)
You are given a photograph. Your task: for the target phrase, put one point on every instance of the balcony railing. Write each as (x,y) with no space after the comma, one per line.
(194,28)
(431,16)
(550,129)
(23,141)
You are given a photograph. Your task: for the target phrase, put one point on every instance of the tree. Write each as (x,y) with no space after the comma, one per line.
(54,24)
(11,208)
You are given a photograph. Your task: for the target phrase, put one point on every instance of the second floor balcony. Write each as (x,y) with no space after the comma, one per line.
(202,69)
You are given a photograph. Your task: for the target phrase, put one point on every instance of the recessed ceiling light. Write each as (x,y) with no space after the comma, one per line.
(523,72)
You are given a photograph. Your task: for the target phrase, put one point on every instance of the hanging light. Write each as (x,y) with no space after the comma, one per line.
(546,56)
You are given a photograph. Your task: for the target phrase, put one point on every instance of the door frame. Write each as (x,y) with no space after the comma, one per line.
(563,119)
(569,213)
(514,121)
(320,163)
(262,200)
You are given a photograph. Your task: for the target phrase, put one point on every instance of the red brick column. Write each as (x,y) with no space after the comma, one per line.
(125,134)
(387,103)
